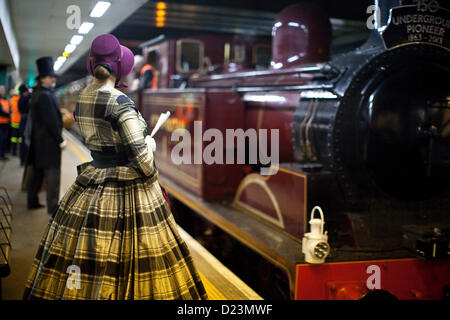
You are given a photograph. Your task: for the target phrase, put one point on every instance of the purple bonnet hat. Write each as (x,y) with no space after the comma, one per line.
(106,50)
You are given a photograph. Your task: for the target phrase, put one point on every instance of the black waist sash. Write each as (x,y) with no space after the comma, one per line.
(109,160)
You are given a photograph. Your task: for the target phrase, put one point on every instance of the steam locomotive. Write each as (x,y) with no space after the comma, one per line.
(364,134)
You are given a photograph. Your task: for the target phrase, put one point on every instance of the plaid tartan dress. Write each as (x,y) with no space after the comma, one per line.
(113,235)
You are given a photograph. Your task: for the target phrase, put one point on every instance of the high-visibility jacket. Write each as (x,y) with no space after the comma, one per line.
(146,67)
(5,108)
(15,113)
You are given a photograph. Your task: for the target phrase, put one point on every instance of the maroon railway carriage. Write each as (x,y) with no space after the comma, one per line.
(178,59)
(363,134)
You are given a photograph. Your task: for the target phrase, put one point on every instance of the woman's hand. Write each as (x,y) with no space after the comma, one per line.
(63,145)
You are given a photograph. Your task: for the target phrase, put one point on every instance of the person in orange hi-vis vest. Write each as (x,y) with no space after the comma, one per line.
(148,77)
(15,123)
(4,122)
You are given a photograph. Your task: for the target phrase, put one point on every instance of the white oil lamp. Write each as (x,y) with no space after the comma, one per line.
(315,243)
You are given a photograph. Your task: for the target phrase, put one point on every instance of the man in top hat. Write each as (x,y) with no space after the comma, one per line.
(46,138)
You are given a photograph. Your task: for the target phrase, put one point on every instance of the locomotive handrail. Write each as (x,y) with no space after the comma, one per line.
(243,89)
(323,67)
(174,90)
(284,88)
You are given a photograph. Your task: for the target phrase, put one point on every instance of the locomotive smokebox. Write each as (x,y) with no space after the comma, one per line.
(301,34)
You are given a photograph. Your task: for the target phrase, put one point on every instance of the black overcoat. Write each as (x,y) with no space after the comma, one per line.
(46,130)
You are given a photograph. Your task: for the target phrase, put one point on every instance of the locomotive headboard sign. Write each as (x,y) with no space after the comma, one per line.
(427,22)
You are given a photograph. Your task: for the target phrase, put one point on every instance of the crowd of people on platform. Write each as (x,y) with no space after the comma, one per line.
(14,109)
(31,127)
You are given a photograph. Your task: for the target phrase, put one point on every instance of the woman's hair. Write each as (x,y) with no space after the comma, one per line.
(101,73)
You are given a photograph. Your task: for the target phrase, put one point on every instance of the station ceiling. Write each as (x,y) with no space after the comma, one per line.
(40,28)
(135,21)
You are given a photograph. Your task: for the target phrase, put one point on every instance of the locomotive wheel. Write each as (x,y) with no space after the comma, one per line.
(392,132)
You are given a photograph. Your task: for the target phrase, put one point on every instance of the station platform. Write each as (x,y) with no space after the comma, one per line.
(28,227)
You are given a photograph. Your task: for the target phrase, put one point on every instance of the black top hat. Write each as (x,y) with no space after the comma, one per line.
(45,67)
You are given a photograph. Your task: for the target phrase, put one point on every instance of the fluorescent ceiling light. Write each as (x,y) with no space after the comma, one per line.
(59,62)
(57,65)
(76,39)
(61,59)
(100,9)
(85,27)
(70,48)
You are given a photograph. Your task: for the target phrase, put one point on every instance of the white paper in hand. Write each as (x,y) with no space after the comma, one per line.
(162,118)
(151,143)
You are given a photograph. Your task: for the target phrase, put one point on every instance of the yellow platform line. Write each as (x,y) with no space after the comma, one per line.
(77,152)
(212,292)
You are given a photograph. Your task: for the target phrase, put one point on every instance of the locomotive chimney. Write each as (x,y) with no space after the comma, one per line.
(301,34)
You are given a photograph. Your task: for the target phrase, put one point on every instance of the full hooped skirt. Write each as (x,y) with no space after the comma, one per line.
(113,237)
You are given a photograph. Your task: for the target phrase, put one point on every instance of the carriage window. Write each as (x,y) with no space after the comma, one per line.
(189,55)
(262,54)
(239,53)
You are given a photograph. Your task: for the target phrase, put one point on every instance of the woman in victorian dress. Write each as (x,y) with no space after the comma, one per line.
(113,235)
